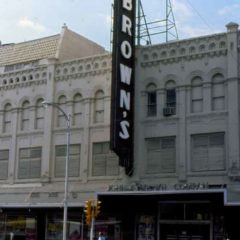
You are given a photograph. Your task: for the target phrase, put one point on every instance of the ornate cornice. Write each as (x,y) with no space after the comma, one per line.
(23,78)
(23,85)
(80,68)
(186,50)
(74,69)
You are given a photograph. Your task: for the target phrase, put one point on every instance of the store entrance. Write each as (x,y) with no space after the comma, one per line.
(184,220)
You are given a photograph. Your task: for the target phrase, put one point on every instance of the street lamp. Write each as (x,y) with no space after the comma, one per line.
(65,201)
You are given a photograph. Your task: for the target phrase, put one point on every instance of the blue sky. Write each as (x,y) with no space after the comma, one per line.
(23,20)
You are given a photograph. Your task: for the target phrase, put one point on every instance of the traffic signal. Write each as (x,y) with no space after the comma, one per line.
(97,208)
(88,211)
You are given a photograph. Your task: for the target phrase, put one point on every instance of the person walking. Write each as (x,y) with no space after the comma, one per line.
(101,236)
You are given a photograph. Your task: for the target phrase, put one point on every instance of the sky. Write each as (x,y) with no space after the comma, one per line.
(24,20)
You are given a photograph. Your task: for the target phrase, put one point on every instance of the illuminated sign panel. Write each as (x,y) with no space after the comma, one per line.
(123,82)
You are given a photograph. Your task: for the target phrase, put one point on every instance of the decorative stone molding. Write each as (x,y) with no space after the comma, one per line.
(188,50)
(84,67)
(12,80)
(53,194)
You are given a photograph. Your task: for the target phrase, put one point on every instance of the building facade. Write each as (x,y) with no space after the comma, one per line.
(74,73)
(186,167)
(185,181)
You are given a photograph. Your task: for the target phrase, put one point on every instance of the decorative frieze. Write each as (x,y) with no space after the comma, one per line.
(75,69)
(11,80)
(84,67)
(193,49)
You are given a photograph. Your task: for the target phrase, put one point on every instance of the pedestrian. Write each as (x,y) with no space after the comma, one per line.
(101,236)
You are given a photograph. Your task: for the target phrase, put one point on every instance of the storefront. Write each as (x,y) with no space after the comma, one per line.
(182,215)
(131,215)
(40,223)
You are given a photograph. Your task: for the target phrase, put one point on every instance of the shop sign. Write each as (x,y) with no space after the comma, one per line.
(123,82)
(159,187)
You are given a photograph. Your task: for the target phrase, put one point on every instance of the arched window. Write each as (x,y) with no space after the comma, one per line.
(170,99)
(196,95)
(7,122)
(25,116)
(61,118)
(77,109)
(151,100)
(39,114)
(99,106)
(218,92)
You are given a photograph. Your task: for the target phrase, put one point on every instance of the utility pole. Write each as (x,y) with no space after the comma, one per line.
(92,225)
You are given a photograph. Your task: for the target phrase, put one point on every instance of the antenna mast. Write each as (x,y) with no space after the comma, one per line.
(162,30)
(142,31)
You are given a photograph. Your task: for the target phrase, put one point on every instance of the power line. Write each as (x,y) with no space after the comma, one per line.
(200,16)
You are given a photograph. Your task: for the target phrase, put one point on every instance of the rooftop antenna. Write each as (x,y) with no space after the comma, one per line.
(164,28)
(147,32)
(142,31)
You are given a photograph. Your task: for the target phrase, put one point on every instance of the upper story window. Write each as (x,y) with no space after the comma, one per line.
(196,95)
(7,118)
(170,99)
(208,152)
(4,159)
(39,114)
(77,110)
(99,106)
(151,100)
(29,165)
(74,160)
(25,119)
(161,155)
(61,120)
(104,161)
(218,92)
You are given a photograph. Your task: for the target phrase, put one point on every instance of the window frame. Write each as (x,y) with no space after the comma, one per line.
(196,94)
(60,161)
(218,80)
(25,116)
(108,158)
(171,101)
(62,102)
(160,147)
(151,100)
(77,109)
(7,122)
(39,114)
(99,107)
(26,155)
(4,171)
(209,148)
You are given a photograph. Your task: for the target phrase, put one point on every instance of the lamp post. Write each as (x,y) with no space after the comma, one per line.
(65,200)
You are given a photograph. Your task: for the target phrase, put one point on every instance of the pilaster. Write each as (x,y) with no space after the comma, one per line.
(48,124)
(233,95)
(181,138)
